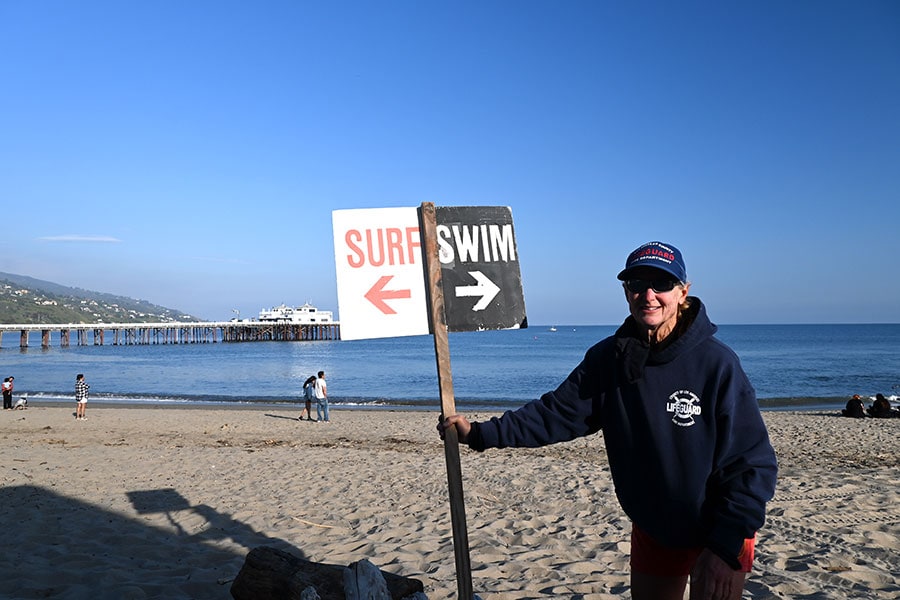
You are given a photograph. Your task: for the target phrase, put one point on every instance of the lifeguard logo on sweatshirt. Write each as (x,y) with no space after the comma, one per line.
(684,406)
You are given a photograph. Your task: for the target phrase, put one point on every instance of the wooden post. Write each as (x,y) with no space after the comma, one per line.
(435,296)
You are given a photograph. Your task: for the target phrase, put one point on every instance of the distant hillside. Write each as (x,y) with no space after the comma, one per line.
(25,300)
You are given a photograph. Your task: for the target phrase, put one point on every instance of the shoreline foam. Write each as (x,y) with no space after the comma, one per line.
(805,403)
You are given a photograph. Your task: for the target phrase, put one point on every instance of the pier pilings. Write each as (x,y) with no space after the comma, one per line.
(134,334)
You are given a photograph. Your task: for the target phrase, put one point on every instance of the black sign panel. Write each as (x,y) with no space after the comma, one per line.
(480,275)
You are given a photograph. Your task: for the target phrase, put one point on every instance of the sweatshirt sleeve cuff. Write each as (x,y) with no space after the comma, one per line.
(476,438)
(726,549)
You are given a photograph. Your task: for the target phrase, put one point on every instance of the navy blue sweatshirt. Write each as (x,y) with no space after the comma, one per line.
(688,450)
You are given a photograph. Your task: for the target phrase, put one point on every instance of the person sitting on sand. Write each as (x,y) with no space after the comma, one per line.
(881,408)
(855,408)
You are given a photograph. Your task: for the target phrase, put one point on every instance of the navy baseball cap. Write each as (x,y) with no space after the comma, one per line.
(658,255)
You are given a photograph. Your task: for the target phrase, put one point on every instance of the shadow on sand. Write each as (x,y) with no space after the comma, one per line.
(59,547)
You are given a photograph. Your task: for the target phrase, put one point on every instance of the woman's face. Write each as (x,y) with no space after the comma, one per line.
(655,312)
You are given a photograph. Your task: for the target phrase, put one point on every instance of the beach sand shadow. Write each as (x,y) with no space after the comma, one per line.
(59,547)
(273,416)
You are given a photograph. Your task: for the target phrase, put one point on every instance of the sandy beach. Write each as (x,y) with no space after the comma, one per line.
(140,502)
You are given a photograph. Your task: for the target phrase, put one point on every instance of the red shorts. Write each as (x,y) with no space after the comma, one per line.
(652,558)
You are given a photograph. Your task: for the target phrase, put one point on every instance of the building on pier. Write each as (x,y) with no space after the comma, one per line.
(299,315)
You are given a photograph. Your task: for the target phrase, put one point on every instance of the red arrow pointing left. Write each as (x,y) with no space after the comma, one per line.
(377,295)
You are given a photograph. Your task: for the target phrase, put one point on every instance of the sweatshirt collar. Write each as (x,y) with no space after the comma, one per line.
(634,352)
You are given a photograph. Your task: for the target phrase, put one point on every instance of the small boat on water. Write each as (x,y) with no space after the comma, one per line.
(553,329)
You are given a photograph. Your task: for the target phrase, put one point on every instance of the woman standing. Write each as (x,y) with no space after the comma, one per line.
(7,393)
(309,392)
(81,397)
(688,450)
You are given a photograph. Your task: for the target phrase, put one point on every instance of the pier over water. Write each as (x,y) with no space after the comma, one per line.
(128,334)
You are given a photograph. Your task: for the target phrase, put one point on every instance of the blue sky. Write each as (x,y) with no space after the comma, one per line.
(191,153)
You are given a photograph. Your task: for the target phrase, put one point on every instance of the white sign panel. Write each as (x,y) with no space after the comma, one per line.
(380,276)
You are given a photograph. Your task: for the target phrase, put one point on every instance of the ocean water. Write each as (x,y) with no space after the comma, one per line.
(791,366)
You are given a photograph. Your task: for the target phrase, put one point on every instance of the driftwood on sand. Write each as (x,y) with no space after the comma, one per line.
(272,574)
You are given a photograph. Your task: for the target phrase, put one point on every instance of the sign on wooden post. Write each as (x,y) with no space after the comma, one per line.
(436,270)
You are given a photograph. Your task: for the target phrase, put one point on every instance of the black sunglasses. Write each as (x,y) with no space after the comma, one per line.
(639,286)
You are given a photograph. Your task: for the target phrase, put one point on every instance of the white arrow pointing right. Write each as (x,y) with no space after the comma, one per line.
(485,288)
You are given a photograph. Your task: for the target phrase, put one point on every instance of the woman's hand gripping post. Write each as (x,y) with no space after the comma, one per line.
(463,427)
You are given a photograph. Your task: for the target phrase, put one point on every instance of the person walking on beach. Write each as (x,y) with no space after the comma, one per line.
(309,392)
(688,450)
(321,398)
(81,397)
(7,393)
